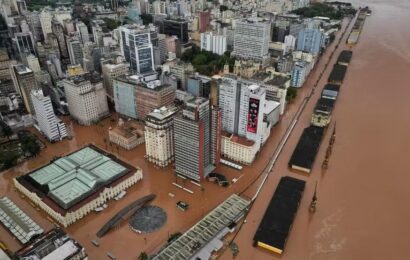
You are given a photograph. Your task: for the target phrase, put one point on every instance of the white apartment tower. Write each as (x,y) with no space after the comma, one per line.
(86,98)
(51,126)
(159,136)
(251,39)
(242,104)
(213,42)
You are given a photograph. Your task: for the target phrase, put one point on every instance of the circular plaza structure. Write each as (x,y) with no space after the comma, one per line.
(148,219)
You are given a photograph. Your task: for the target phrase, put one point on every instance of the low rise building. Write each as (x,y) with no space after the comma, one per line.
(127,134)
(238,148)
(17,222)
(55,244)
(70,187)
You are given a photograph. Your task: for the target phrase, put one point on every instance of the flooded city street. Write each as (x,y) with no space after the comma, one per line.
(362,210)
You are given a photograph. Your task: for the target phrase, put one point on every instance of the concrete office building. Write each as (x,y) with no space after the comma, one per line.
(251,39)
(153,95)
(82,31)
(46,16)
(112,69)
(124,90)
(175,27)
(199,85)
(197,139)
(25,44)
(24,82)
(159,136)
(299,73)
(213,43)
(47,122)
(58,30)
(32,63)
(86,98)
(136,47)
(310,40)
(75,51)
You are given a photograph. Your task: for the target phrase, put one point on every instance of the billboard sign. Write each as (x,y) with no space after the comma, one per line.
(253,112)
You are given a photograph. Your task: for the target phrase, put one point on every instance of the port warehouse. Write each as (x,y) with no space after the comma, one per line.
(305,152)
(276,224)
(70,187)
(205,237)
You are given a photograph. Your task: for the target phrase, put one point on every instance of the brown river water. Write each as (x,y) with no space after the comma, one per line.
(363,210)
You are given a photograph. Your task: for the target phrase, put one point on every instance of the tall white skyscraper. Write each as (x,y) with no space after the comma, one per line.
(51,126)
(242,104)
(251,39)
(136,47)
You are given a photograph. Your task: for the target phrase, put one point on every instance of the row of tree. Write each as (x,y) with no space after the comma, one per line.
(325,10)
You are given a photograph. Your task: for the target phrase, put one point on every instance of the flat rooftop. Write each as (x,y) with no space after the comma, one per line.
(129,129)
(68,181)
(305,152)
(188,244)
(275,226)
(55,244)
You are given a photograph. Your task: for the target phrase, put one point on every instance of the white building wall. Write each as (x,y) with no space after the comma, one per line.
(48,123)
(71,217)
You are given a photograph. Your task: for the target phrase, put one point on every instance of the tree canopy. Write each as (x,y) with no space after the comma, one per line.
(206,62)
(325,10)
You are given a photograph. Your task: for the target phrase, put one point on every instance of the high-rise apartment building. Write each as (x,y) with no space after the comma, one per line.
(136,47)
(58,30)
(86,98)
(112,69)
(153,95)
(197,134)
(176,27)
(24,82)
(33,63)
(124,93)
(251,39)
(159,136)
(310,40)
(25,44)
(242,104)
(51,126)
(46,16)
(75,50)
(213,43)
(82,31)
(204,19)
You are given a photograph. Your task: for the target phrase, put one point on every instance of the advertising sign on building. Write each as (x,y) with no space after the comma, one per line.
(253,115)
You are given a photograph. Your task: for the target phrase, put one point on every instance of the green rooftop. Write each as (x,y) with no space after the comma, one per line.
(72,178)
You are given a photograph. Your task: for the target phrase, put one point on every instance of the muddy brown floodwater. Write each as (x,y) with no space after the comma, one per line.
(362,208)
(363,198)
